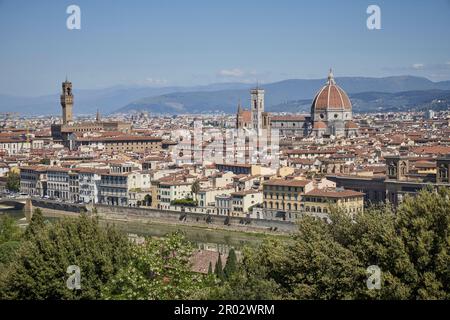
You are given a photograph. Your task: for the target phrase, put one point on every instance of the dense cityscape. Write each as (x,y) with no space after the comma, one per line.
(206,162)
(330,156)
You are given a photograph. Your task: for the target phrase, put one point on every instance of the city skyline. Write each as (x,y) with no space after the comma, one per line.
(228,155)
(181,44)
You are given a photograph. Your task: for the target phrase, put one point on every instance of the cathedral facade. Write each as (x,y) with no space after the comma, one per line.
(331,115)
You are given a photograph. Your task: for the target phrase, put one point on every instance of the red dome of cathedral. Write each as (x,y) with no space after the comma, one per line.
(331,97)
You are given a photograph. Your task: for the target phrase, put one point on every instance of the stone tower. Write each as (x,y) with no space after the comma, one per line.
(443,169)
(397,167)
(67,102)
(257,108)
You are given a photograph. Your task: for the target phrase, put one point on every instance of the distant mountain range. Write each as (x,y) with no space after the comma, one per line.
(106,100)
(366,102)
(367,95)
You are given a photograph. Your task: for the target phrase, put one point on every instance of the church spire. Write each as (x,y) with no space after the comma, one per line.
(97,117)
(239,109)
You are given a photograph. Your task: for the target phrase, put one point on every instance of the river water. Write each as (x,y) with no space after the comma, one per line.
(208,239)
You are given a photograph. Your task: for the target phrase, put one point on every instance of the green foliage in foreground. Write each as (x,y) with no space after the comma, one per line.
(9,230)
(10,235)
(329,261)
(320,261)
(48,249)
(158,270)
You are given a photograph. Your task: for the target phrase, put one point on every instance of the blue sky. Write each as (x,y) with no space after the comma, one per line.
(181,42)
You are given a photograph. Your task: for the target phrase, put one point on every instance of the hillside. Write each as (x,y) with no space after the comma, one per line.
(419,100)
(293,95)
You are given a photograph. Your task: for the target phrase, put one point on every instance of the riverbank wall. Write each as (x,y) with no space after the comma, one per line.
(146,215)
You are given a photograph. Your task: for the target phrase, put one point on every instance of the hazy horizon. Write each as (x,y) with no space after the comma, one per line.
(181,43)
(57,89)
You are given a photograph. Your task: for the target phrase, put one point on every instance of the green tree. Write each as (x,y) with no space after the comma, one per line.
(230,265)
(218,270)
(184,202)
(210,269)
(39,271)
(195,188)
(330,260)
(9,230)
(251,281)
(423,225)
(8,252)
(158,270)
(10,236)
(13,182)
(36,225)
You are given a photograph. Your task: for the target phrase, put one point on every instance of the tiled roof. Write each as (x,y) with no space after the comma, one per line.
(287,118)
(245,116)
(319,125)
(287,183)
(331,97)
(335,193)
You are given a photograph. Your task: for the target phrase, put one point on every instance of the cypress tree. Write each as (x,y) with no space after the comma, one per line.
(230,265)
(219,269)
(210,271)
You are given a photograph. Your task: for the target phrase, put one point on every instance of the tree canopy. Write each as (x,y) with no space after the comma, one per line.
(321,260)
(13,182)
(330,260)
(159,270)
(40,268)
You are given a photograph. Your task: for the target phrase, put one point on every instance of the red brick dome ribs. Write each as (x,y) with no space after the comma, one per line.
(331,97)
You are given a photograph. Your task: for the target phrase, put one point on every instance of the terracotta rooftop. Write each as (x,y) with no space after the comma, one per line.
(331,97)
(287,183)
(288,118)
(201,259)
(334,193)
(245,116)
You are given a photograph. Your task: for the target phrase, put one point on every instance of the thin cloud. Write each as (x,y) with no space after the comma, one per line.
(234,73)
(418,66)
(158,82)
